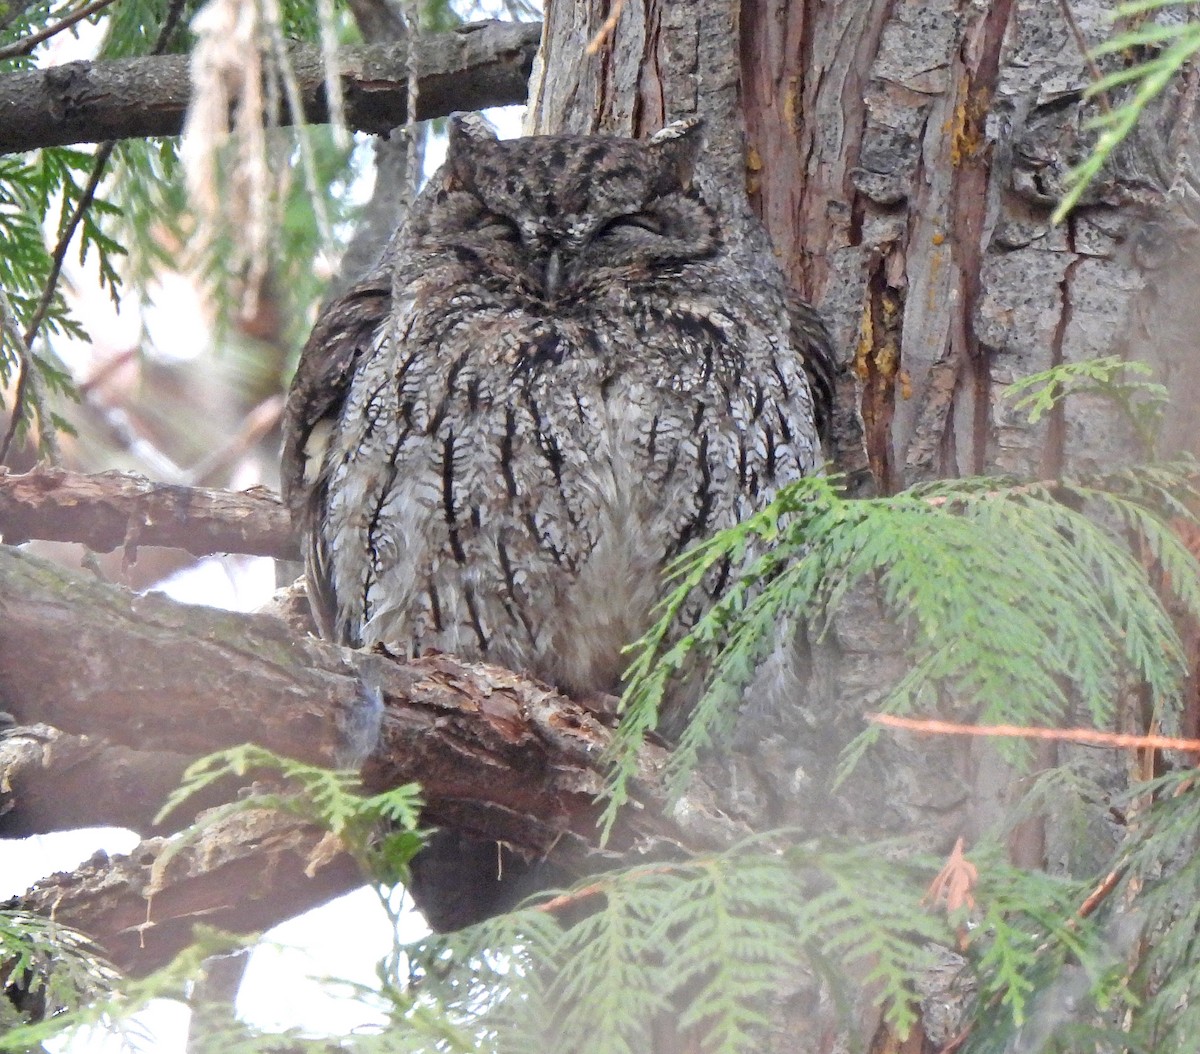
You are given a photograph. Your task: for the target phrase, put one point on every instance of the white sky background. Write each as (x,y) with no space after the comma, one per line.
(283,986)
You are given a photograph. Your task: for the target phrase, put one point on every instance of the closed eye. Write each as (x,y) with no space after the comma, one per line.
(499,228)
(635,221)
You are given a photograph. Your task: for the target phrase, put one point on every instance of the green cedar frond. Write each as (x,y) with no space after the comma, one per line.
(44,182)
(1141,402)
(1149,78)
(712,940)
(410,1027)
(19,21)
(1123,979)
(1024,930)
(1068,601)
(324,796)
(133,27)
(50,963)
(115,1005)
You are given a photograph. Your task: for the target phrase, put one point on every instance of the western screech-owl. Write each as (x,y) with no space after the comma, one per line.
(561,377)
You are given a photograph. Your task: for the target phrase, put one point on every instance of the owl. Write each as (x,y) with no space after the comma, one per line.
(561,376)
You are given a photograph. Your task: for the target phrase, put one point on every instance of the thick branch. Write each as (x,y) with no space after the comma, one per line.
(49,782)
(496,754)
(484,64)
(244,874)
(499,757)
(111,509)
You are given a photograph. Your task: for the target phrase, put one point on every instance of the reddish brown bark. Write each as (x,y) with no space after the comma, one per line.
(108,510)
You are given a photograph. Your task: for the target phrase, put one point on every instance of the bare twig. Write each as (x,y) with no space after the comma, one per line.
(170,24)
(29,382)
(110,509)
(1101,893)
(17,407)
(87,197)
(26,44)
(64,240)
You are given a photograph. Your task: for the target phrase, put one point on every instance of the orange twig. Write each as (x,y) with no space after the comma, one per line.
(605,31)
(1088,736)
(1098,895)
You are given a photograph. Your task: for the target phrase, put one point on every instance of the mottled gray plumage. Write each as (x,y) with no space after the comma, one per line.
(561,377)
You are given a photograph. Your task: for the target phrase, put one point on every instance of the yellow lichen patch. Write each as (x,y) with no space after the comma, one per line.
(754,165)
(877,353)
(967,141)
(866,342)
(791,101)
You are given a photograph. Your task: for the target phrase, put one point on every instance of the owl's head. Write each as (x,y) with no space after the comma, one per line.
(563,215)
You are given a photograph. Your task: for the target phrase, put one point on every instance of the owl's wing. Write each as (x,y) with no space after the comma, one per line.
(344,332)
(810,337)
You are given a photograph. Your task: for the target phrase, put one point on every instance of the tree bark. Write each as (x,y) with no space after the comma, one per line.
(498,756)
(105,510)
(474,66)
(905,159)
(50,781)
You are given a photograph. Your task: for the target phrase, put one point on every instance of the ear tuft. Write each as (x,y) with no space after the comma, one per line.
(468,137)
(678,145)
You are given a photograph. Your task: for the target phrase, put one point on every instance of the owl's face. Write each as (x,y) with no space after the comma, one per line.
(564,217)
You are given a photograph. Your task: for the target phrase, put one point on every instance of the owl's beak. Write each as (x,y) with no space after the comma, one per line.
(553,276)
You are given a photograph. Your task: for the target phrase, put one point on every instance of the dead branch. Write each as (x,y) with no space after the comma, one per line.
(110,509)
(498,756)
(495,752)
(244,874)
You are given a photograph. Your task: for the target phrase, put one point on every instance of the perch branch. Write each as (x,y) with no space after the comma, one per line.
(497,755)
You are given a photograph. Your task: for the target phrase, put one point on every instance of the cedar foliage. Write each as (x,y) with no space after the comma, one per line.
(1087,615)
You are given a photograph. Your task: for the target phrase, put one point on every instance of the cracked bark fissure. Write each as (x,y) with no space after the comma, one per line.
(972,151)
(472,67)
